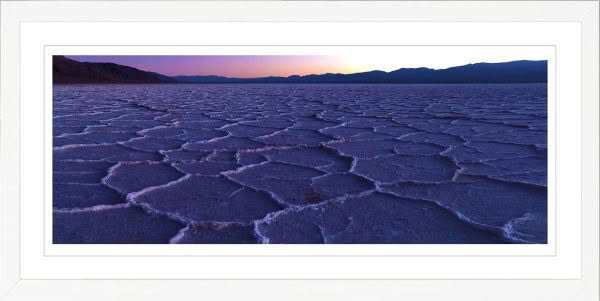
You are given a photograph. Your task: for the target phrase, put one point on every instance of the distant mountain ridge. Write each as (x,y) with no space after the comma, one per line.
(67,71)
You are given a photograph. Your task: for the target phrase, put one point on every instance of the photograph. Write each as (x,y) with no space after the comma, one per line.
(421,145)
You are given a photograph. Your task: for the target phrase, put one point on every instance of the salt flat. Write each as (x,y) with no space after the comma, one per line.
(300,163)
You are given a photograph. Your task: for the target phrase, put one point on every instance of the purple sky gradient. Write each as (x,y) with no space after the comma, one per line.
(242,66)
(350,60)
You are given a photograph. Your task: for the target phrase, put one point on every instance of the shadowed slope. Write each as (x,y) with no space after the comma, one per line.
(67,71)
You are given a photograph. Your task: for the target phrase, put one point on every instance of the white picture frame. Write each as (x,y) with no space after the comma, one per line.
(29,30)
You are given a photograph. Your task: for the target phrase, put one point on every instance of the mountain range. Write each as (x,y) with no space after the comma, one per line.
(68,71)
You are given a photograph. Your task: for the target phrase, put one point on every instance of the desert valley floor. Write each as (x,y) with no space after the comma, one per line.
(252,163)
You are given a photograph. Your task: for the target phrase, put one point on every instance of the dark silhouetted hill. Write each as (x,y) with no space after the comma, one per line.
(68,71)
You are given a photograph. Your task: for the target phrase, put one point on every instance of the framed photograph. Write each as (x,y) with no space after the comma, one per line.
(299,150)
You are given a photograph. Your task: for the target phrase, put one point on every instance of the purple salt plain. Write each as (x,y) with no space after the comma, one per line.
(300,163)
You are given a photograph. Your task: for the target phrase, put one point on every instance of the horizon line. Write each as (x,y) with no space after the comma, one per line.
(291,75)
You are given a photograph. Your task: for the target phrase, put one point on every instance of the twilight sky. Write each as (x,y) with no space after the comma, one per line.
(244,66)
(227,65)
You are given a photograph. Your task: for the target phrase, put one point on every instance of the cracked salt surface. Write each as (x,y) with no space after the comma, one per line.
(300,163)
